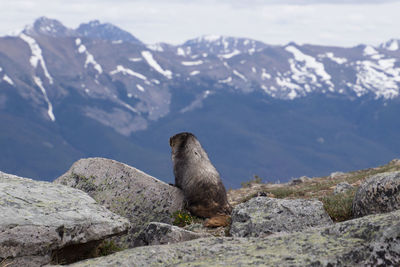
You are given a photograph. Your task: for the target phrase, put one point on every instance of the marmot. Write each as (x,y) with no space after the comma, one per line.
(200,182)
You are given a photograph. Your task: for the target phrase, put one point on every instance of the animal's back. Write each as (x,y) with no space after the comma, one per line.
(197,177)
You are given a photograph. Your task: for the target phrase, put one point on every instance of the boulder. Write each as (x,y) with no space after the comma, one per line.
(369,241)
(161,233)
(42,222)
(262,216)
(379,193)
(342,188)
(126,191)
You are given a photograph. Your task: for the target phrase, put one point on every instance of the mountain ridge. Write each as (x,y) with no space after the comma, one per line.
(97,95)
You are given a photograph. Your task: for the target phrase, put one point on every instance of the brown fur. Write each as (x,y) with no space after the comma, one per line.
(217,221)
(197,177)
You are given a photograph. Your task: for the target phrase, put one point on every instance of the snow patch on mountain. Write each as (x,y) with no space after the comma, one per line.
(271,90)
(303,66)
(180,52)
(227,80)
(90,60)
(227,65)
(126,71)
(369,51)
(241,76)
(381,78)
(7,79)
(391,45)
(135,59)
(331,56)
(155,47)
(286,84)
(139,87)
(195,72)
(129,107)
(265,75)
(89,57)
(36,56)
(154,64)
(192,63)
(230,55)
(39,83)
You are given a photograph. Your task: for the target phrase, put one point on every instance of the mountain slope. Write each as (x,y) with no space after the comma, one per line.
(274,111)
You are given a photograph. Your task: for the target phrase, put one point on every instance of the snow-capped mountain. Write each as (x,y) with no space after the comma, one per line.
(106,31)
(101,54)
(99,73)
(391,45)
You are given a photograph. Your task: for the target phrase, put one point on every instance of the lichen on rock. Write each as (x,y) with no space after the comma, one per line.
(126,191)
(379,193)
(262,216)
(157,233)
(369,241)
(40,218)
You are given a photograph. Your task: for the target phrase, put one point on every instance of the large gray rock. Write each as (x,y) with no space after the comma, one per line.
(126,191)
(161,233)
(40,219)
(369,241)
(262,216)
(379,193)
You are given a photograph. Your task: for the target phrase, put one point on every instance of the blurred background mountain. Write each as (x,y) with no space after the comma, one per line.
(274,111)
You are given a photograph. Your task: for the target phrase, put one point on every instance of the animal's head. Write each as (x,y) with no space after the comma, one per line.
(180,140)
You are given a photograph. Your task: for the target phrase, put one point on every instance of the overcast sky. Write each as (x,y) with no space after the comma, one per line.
(327,22)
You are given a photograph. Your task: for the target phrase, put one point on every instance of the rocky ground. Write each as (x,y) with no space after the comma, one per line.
(344,219)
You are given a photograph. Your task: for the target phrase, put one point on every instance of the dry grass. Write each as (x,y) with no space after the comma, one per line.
(337,206)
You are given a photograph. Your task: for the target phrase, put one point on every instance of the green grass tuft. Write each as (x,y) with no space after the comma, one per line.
(339,207)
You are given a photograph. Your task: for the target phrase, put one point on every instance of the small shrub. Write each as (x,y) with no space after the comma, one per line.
(182,218)
(339,207)
(255,180)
